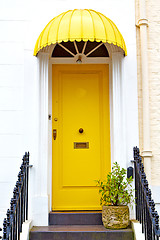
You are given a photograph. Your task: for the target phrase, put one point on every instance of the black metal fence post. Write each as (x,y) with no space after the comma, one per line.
(0,231)
(5,229)
(145,206)
(18,212)
(27,181)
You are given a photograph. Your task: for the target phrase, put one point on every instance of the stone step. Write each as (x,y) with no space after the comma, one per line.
(75,218)
(79,232)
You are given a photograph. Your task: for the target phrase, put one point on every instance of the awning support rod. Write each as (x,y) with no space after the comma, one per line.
(66,49)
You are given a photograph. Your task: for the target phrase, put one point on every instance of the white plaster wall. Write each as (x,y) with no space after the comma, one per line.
(21,23)
(130,81)
(11,99)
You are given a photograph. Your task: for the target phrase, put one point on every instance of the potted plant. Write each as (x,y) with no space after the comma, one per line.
(116,193)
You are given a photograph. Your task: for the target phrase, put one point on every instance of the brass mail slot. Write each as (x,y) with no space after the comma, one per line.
(81,145)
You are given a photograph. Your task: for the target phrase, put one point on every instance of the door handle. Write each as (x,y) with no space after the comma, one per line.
(54,134)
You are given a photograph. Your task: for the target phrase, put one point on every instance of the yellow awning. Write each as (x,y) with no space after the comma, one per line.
(80,25)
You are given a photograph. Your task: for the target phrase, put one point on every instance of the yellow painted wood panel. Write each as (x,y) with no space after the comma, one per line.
(80,100)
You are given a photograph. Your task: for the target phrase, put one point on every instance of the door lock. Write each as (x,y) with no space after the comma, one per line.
(54,134)
(81,130)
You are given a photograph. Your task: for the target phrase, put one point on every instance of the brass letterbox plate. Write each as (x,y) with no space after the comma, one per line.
(81,145)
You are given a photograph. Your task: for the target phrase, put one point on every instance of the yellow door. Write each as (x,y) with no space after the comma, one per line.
(81,148)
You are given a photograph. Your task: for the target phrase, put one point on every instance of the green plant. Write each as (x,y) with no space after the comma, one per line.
(117,188)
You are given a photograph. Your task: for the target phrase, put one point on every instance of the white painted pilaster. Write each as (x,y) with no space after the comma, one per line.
(40,200)
(118,138)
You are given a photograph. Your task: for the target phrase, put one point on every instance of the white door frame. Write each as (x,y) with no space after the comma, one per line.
(43,173)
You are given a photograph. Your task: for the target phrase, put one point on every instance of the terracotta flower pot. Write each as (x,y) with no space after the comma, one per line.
(115,217)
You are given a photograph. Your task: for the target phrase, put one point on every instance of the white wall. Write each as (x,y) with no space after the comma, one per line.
(21,23)
(11,99)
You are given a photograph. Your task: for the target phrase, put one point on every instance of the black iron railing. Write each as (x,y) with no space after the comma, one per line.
(18,212)
(145,206)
